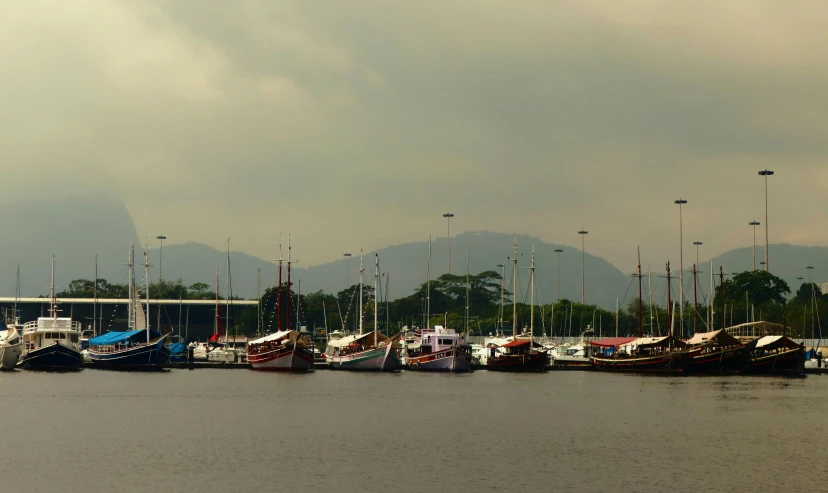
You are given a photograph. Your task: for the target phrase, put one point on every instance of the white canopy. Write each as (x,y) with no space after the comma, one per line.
(719,336)
(273,337)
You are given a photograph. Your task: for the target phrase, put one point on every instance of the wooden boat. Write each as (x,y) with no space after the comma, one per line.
(719,352)
(285,351)
(664,354)
(521,354)
(775,355)
(439,349)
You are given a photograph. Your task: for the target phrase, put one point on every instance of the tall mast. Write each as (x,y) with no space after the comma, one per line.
(468,287)
(640,294)
(258,303)
(227,301)
(52,292)
(95,301)
(721,283)
(17,299)
(532,308)
(514,292)
(669,302)
(650,296)
(428,286)
(361,271)
(695,298)
(146,285)
(289,285)
(216,323)
(279,298)
(376,301)
(501,312)
(130,283)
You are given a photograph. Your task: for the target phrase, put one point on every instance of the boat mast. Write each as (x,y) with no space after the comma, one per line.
(502,311)
(695,298)
(650,294)
(514,293)
(289,286)
(258,303)
(669,302)
(640,309)
(279,297)
(361,271)
(146,285)
(53,308)
(17,299)
(95,301)
(376,301)
(227,301)
(131,283)
(468,287)
(428,287)
(532,308)
(216,323)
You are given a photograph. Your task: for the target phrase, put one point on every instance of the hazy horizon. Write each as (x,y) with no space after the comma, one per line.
(358,124)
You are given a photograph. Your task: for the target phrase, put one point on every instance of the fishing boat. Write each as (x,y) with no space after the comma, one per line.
(52,343)
(10,344)
(372,351)
(439,349)
(719,352)
(285,350)
(138,349)
(522,353)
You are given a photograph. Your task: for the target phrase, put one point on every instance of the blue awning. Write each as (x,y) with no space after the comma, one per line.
(115,337)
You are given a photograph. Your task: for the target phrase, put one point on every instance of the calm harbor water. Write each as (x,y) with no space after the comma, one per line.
(237,430)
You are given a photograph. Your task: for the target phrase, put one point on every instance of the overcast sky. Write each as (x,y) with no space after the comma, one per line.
(356,124)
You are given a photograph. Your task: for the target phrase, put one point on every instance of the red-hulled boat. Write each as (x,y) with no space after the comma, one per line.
(282,351)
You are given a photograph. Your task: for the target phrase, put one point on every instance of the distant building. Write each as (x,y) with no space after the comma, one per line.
(824,287)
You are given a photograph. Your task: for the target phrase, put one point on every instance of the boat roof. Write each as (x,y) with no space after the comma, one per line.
(348,340)
(115,337)
(273,337)
(655,341)
(520,341)
(719,336)
(773,342)
(612,341)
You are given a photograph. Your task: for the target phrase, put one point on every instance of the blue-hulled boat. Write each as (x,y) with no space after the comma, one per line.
(178,352)
(131,350)
(52,343)
(138,349)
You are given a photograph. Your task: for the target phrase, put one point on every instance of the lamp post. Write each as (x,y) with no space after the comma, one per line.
(583,233)
(754,224)
(558,257)
(698,244)
(448,216)
(161,238)
(680,202)
(347,258)
(766,173)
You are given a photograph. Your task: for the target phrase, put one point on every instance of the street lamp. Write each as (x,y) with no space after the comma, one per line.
(448,216)
(161,238)
(680,202)
(347,258)
(558,255)
(754,224)
(766,173)
(698,244)
(583,256)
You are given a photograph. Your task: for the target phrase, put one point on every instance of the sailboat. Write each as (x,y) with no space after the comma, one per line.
(219,353)
(284,350)
(52,343)
(522,353)
(440,348)
(10,344)
(371,351)
(139,348)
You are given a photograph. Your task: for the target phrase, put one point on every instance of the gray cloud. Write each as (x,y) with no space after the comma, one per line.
(355,124)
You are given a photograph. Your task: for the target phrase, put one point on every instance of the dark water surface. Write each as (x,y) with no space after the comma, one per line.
(237,430)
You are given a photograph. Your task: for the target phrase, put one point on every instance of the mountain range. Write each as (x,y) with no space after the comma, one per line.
(77,230)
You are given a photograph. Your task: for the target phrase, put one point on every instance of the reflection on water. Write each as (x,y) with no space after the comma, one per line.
(228,430)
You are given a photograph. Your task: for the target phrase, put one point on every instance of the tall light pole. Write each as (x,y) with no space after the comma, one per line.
(583,233)
(754,224)
(680,202)
(558,255)
(766,173)
(448,216)
(698,244)
(161,238)
(347,258)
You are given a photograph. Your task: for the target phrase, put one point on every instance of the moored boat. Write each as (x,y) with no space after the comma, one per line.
(718,352)
(775,355)
(286,351)
(10,346)
(372,351)
(52,343)
(664,354)
(521,354)
(439,349)
(574,356)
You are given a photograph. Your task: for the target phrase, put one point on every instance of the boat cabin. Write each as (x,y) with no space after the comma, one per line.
(47,331)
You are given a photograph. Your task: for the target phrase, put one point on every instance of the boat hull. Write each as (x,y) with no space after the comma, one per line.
(673,362)
(721,361)
(377,359)
(55,357)
(152,356)
(9,356)
(571,363)
(298,360)
(448,360)
(535,362)
(790,362)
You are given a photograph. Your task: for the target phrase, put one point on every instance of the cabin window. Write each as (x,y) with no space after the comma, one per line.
(425,349)
(446,342)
